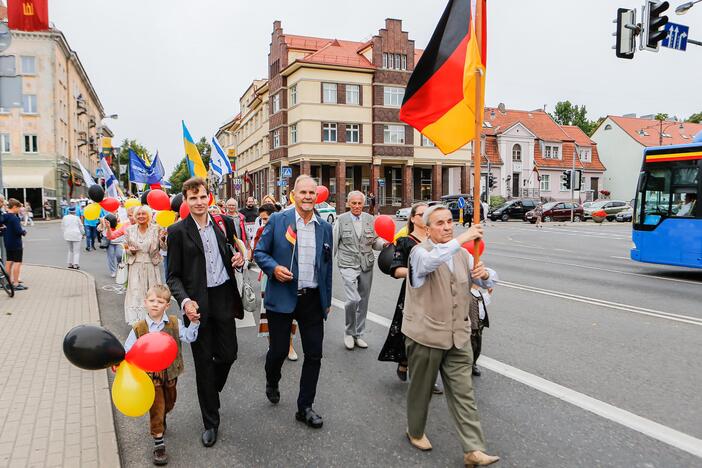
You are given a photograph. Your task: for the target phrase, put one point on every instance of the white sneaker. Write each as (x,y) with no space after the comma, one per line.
(348,341)
(360,343)
(113,275)
(292,356)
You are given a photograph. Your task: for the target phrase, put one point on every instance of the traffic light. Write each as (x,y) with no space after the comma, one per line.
(578,180)
(491,181)
(565,179)
(653,24)
(626,33)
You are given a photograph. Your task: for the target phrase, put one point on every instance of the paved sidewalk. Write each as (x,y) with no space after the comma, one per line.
(51,412)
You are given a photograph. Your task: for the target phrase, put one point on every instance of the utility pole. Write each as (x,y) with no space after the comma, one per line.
(572,188)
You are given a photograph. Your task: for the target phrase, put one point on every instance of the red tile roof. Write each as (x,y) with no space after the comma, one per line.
(577,134)
(538,122)
(646,131)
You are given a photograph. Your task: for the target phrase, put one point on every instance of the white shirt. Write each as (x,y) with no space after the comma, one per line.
(481,304)
(685,209)
(423,262)
(306,246)
(187,335)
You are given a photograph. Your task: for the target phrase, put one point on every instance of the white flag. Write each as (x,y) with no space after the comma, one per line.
(89,181)
(110,179)
(219,163)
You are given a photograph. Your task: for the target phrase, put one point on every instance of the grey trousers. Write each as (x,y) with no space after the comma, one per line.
(357,286)
(455,366)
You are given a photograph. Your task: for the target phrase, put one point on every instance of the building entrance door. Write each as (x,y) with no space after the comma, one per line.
(516,184)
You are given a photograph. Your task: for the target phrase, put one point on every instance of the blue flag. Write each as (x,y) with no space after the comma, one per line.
(157,172)
(139,172)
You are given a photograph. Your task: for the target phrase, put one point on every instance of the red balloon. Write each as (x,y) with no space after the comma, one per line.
(153,352)
(385,227)
(470,247)
(184,210)
(322,193)
(158,200)
(110,204)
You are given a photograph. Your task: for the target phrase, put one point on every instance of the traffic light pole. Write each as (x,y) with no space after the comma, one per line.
(572,189)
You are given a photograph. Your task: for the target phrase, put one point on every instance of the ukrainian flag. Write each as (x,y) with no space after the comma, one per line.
(195,164)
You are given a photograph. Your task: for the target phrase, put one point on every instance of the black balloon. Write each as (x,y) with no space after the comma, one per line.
(112,219)
(385,258)
(92,348)
(143,197)
(176,201)
(96,193)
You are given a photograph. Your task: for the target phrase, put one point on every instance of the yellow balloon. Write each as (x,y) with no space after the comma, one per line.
(92,211)
(132,202)
(401,233)
(132,391)
(165,218)
(119,226)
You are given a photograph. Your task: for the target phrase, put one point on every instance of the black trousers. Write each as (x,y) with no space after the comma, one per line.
(310,320)
(215,351)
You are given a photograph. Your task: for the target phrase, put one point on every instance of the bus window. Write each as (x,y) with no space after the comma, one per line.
(684,191)
(656,196)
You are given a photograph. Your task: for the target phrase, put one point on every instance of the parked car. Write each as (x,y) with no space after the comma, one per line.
(625,216)
(513,209)
(611,208)
(403,213)
(326,211)
(558,211)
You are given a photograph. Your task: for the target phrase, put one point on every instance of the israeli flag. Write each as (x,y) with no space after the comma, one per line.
(110,179)
(218,161)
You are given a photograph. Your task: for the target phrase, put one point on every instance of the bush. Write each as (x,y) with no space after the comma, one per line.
(496,200)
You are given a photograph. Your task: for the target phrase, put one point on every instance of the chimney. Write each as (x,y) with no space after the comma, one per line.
(277,26)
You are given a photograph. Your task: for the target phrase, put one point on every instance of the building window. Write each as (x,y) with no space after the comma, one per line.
(517,152)
(4,142)
(29,103)
(293,95)
(404,62)
(427,142)
(276,138)
(30,144)
(395,61)
(353,94)
(585,156)
(276,103)
(28,65)
(329,132)
(545,183)
(353,133)
(608,127)
(385,60)
(329,93)
(293,134)
(551,152)
(394,134)
(392,97)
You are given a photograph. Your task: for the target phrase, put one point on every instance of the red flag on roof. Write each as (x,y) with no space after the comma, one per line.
(440,99)
(28,15)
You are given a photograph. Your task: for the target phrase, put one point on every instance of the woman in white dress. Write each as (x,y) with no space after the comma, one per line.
(143,260)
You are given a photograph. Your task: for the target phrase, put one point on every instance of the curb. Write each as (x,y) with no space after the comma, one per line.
(108,451)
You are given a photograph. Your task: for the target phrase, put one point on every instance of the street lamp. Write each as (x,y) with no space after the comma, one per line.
(685,7)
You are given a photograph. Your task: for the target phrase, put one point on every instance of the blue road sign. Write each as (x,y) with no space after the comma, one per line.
(677,37)
(286,172)
(282,183)
(381,182)
(461,202)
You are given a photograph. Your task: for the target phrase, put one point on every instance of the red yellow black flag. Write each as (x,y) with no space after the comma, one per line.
(440,99)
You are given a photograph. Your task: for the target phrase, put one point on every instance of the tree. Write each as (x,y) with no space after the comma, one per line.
(662,117)
(695,118)
(566,113)
(123,157)
(181,173)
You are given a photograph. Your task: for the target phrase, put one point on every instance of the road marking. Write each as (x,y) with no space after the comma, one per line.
(602,303)
(621,258)
(609,270)
(578,233)
(625,418)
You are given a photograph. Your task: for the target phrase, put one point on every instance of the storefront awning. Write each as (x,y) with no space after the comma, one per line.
(28,177)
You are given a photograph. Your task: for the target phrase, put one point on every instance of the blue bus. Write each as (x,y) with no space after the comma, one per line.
(667,219)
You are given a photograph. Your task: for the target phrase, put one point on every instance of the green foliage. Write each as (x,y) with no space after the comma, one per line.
(180,174)
(566,113)
(695,118)
(662,117)
(496,200)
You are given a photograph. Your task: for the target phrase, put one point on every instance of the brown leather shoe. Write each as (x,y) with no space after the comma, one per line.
(160,457)
(422,443)
(478,458)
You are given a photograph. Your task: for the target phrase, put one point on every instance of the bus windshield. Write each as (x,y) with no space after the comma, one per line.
(667,190)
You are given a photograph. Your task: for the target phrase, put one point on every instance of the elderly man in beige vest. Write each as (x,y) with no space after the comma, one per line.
(354,241)
(437,329)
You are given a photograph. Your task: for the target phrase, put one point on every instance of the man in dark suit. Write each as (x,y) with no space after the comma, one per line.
(201,277)
(295,252)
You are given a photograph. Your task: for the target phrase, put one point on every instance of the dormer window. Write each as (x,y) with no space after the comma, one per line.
(608,127)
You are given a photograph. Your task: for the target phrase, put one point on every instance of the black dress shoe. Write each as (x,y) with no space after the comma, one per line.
(476,371)
(209,437)
(273,394)
(160,457)
(309,417)
(402,373)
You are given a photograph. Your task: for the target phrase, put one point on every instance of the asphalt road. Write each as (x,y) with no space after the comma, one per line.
(592,360)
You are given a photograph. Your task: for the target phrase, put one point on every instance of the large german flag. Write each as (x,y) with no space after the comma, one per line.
(440,98)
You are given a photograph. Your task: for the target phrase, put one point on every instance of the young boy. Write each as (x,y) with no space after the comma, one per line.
(12,236)
(158,298)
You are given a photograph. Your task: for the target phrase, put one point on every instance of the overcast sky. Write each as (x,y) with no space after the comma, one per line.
(156,62)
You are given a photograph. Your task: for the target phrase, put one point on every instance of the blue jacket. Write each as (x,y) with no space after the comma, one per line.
(273,249)
(12,235)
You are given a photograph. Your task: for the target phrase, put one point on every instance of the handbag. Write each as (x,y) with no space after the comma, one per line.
(122,270)
(248,296)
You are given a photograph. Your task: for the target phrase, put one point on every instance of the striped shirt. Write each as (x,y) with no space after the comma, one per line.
(216,272)
(306,252)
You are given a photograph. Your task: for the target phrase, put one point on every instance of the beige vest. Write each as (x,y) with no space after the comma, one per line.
(437,313)
(176,368)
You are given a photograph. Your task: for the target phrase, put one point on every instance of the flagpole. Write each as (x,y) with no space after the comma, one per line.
(478,24)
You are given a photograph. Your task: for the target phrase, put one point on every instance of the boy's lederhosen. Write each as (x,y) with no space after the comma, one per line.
(477,324)
(164,381)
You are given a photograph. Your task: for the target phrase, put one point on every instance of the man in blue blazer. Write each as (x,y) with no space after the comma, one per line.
(295,252)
